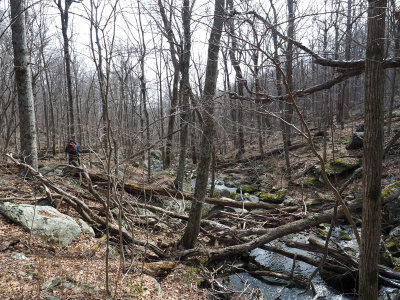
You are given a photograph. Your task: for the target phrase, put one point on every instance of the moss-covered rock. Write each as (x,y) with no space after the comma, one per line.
(392,244)
(338,167)
(276,198)
(248,188)
(356,141)
(385,255)
(344,236)
(323,232)
(221,193)
(232,195)
(307,182)
(268,197)
(313,204)
(281,193)
(391,211)
(387,190)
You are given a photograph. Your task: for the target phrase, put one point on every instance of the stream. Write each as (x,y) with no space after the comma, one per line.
(273,288)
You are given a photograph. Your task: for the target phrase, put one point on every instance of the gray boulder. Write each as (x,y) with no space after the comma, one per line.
(44,221)
(356,141)
(391,211)
(86,228)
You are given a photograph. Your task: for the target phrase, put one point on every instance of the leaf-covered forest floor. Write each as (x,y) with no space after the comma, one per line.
(81,266)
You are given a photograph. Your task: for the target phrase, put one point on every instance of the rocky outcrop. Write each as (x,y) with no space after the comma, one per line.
(44,221)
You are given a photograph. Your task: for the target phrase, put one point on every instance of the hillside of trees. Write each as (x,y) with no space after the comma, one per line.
(210,134)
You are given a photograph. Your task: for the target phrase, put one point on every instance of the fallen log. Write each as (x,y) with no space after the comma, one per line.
(278,232)
(147,191)
(344,258)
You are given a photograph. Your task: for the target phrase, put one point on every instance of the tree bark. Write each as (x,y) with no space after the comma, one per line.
(239,81)
(175,94)
(64,13)
(23,82)
(186,16)
(193,227)
(373,150)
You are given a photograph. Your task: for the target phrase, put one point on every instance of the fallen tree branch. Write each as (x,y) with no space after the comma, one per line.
(136,189)
(84,210)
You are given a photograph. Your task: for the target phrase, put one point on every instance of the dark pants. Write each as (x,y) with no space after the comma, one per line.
(74,159)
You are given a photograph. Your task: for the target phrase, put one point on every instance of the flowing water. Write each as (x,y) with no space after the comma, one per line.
(274,289)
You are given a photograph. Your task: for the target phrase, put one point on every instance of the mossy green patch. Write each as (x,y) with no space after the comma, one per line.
(268,197)
(338,167)
(281,193)
(344,236)
(323,231)
(387,190)
(248,188)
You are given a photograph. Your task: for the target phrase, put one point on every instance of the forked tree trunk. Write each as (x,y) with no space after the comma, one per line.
(193,226)
(23,82)
(373,150)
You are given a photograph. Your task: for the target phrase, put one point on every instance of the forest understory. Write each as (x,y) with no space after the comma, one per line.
(147,221)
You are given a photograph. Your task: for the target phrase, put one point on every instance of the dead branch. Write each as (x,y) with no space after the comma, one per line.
(84,210)
(136,189)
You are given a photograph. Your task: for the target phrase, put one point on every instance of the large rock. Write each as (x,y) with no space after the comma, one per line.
(45,222)
(338,167)
(356,141)
(391,211)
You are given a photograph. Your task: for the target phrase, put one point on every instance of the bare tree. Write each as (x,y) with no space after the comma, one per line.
(193,226)
(64,14)
(23,82)
(186,92)
(174,50)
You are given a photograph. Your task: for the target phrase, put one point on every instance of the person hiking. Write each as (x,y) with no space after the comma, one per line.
(73,152)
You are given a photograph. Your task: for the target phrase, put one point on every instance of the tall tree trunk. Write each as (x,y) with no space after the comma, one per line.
(343,100)
(64,13)
(186,91)
(373,150)
(396,36)
(282,105)
(257,89)
(23,82)
(193,226)
(239,80)
(99,66)
(171,119)
(289,78)
(175,93)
